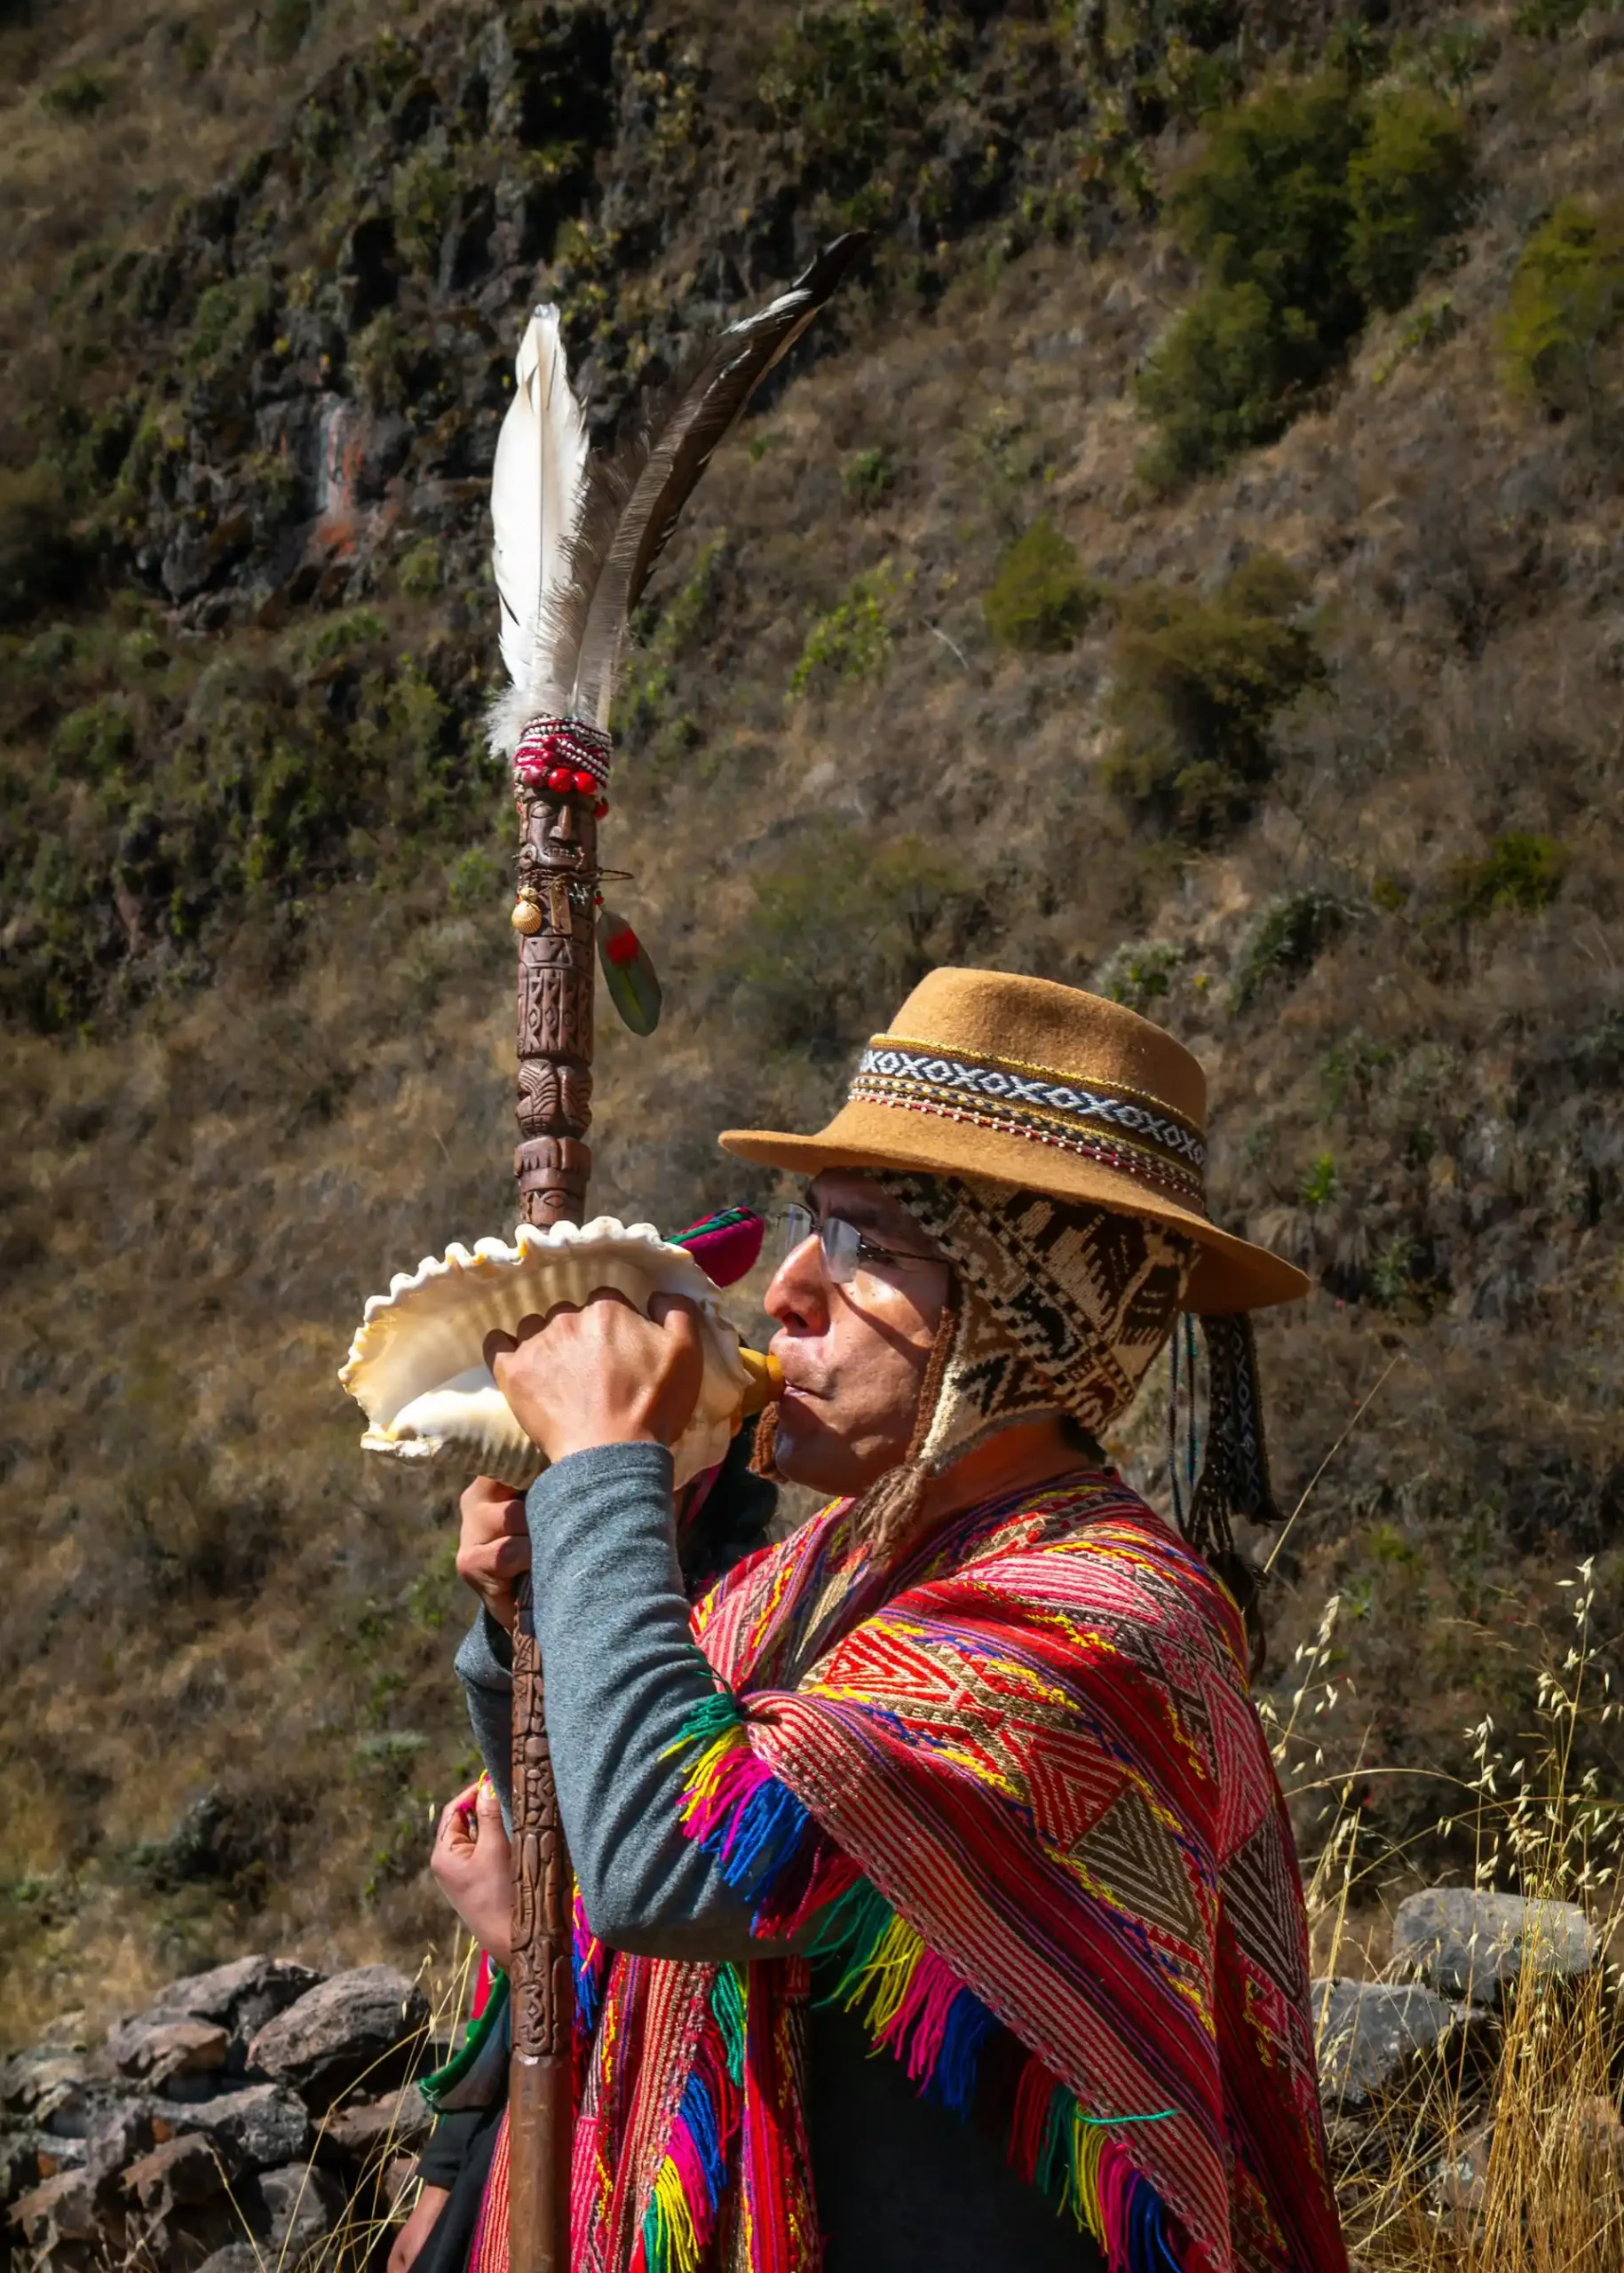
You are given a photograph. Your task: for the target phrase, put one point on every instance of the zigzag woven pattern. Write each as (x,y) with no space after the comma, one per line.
(1017,1791)
(1138,1134)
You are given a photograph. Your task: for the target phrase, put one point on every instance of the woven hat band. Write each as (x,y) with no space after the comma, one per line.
(1138,1136)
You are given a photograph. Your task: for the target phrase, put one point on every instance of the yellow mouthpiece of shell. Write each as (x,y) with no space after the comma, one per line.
(767,1380)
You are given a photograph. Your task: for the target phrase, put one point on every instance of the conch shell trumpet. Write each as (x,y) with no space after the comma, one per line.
(416,1366)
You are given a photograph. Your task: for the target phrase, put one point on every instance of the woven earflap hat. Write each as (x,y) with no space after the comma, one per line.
(1053,1146)
(1024,1082)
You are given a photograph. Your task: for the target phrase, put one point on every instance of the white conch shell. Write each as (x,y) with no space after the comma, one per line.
(417,1370)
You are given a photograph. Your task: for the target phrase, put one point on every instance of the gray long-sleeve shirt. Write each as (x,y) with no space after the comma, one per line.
(901,2185)
(623,1674)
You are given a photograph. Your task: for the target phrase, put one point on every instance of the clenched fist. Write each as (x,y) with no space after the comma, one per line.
(602,1375)
(494,1552)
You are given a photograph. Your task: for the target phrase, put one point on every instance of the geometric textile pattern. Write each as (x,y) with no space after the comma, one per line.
(1019,1773)
(1145,1137)
(1063,1306)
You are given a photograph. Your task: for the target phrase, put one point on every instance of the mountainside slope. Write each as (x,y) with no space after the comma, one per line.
(1314,757)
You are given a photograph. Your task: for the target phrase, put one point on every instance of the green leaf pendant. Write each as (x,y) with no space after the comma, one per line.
(631,980)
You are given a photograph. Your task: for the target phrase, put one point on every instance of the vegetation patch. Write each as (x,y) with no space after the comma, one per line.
(1562,341)
(1196,685)
(1140,973)
(845,924)
(853,640)
(1313,205)
(1290,935)
(1041,599)
(845,83)
(650,715)
(866,476)
(1520,873)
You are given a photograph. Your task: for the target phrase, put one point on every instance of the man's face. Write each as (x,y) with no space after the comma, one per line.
(853,1353)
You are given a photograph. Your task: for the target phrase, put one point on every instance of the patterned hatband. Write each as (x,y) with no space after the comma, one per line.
(1140,1137)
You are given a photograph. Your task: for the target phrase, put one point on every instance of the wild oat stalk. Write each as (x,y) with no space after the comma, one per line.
(1505,2155)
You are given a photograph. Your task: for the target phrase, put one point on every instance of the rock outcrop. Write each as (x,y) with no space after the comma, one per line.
(242,2118)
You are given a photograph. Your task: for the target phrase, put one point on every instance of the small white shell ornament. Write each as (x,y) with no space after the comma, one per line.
(416,1366)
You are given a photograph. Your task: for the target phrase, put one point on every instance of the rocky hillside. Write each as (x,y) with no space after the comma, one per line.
(1189,561)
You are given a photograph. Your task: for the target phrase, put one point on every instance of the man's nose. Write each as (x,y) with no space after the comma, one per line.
(798,1295)
(563,829)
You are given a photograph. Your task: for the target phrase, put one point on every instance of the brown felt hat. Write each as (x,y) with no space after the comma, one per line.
(1048,1088)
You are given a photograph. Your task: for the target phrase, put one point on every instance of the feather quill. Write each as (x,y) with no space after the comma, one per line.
(576,537)
(538,486)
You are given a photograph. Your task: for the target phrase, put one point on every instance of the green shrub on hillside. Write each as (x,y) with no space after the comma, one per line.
(649,716)
(1312,204)
(425,193)
(1220,382)
(78,94)
(1139,972)
(842,927)
(1566,313)
(1040,600)
(842,81)
(853,639)
(1292,931)
(1408,187)
(95,742)
(868,476)
(1268,201)
(1196,687)
(1520,873)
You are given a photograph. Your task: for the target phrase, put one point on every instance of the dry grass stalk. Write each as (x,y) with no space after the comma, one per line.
(1507,2161)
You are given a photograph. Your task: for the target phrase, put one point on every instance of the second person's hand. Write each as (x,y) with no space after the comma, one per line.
(493,1553)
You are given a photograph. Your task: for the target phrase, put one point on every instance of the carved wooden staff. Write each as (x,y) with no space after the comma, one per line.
(555,914)
(576,539)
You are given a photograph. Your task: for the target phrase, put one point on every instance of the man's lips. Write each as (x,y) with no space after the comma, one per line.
(796,1384)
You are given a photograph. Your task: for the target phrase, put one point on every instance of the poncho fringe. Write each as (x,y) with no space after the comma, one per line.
(867,1958)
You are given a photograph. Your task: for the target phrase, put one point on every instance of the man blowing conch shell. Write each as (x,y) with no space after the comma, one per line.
(936,1902)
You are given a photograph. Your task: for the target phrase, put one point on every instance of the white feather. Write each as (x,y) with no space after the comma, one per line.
(536,488)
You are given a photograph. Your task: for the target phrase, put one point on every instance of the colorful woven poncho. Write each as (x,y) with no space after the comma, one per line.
(1018,1797)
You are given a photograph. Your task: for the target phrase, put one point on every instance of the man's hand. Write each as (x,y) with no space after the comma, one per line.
(426,2213)
(494,1552)
(473,1868)
(603,1374)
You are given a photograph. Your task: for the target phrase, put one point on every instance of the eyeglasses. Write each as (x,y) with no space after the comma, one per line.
(846,1250)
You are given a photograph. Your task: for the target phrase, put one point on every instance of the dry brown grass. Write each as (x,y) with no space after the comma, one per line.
(1503,2153)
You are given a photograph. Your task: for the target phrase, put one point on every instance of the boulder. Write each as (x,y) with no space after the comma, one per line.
(296,2205)
(240,1996)
(358,2025)
(180,2208)
(123,2133)
(367,2128)
(1598,2134)
(38,2083)
(1460,2184)
(261,2125)
(1466,1943)
(236,2257)
(178,2174)
(66,2209)
(154,2048)
(1368,2033)
(19,2170)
